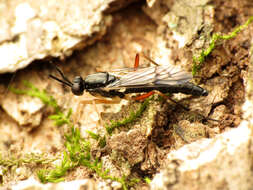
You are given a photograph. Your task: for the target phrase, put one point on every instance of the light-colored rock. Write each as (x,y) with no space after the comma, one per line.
(23,109)
(220,163)
(38,29)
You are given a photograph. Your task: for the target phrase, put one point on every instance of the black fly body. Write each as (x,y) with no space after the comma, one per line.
(165,79)
(148,80)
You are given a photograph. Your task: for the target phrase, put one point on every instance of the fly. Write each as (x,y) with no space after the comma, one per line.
(164,79)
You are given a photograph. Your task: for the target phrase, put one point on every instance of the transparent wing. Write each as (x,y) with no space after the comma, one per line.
(150,77)
(123,71)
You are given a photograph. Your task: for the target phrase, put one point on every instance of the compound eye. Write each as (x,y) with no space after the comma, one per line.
(78,86)
(205,93)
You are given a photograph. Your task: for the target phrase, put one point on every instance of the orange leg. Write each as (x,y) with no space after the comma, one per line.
(137,60)
(144,96)
(136,65)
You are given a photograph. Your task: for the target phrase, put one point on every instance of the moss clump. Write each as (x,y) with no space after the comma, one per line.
(199,59)
(131,118)
(78,151)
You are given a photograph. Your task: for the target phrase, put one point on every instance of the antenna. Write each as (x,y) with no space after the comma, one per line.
(64,79)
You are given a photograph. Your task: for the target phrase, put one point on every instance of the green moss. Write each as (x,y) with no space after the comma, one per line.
(59,117)
(56,175)
(31,158)
(8,163)
(199,59)
(131,118)
(78,151)
(100,139)
(35,92)
(147,180)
